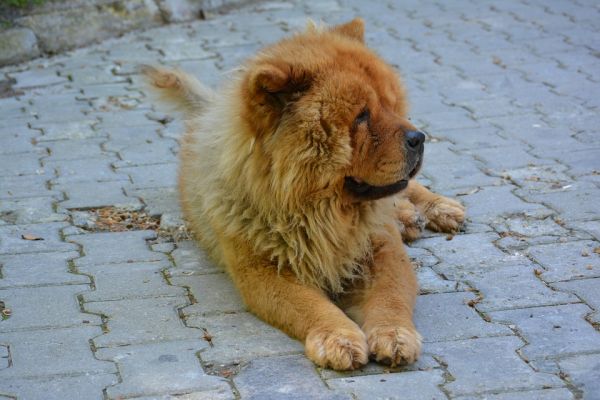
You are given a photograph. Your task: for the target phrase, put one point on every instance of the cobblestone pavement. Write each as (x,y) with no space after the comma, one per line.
(509,308)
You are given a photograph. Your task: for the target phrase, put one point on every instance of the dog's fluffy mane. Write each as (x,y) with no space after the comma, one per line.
(237,192)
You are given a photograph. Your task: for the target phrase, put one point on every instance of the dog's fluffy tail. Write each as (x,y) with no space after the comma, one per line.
(178,88)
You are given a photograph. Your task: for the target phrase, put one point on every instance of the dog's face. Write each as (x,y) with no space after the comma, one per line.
(330,116)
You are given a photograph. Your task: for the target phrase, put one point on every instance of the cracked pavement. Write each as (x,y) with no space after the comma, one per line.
(508,309)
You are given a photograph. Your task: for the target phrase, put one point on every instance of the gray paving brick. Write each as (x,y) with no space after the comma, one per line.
(37,77)
(214,293)
(242,336)
(12,241)
(38,269)
(584,372)
(489,364)
(96,195)
(446,316)
(75,149)
(408,385)
(157,152)
(190,260)
(574,202)
(459,175)
(85,387)
(520,287)
(126,247)
(152,176)
(160,369)
(546,394)
(292,377)
(129,280)
(29,211)
(18,139)
(70,172)
(552,331)
(587,290)
(20,164)
(158,201)
(32,310)
(566,261)
(431,282)
(67,130)
(135,321)
(54,352)
(489,204)
(14,187)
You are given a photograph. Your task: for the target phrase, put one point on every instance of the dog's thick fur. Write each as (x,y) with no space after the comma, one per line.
(291,179)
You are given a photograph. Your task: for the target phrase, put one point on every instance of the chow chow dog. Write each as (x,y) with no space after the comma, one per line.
(297,178)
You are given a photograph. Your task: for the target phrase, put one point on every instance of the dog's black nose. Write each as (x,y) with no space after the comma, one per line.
(414,139)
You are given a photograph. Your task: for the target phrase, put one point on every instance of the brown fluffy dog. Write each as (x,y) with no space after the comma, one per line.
(294,177)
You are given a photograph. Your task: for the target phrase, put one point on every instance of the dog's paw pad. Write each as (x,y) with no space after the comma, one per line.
(445,215)
(412,222)
(393,345)
(343,349)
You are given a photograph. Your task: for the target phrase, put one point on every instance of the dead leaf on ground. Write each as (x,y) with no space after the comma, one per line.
(597,250)
(208,337)
(469,192)
(29,236)
(538,272)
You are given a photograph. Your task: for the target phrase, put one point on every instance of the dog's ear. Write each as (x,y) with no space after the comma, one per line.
(270,88)
(281,78)
(354,29)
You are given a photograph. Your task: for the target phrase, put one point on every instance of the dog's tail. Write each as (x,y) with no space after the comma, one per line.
(178,88)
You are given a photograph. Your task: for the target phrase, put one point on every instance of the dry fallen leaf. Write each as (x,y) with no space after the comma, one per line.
(28,236)
(584,253)
(537,272)
(597,250)
(208,337)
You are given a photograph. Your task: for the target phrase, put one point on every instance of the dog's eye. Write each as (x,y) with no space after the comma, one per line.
(364,116)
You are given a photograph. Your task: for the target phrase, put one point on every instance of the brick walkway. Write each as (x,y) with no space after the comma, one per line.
(510,96)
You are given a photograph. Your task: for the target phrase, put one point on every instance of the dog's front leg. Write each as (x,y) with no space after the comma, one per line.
(442,213)
(331,338)
(387,300)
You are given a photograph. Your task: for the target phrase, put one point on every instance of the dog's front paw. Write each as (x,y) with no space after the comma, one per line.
(445,215)
(342,349)
(412,222)
(394,345)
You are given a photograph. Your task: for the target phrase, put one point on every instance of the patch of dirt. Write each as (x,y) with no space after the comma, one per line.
(114,219)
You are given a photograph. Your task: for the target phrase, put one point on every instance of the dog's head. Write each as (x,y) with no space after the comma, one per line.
(330,116)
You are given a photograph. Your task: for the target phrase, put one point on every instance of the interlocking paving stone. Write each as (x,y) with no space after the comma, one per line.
(408,385)
(84,387)
(214,293)
(161,368)
(125,247)
(82,149)
(32,310)
(290,377)
(129,280)
(446,316)
(70,172)
(27,186)
(566,261)
(587,290)
(53,352)
(242,336)
(547,394)
(553,331)
(190,260)
(13,238)
(134,321)
(489,364)
(38,269)
(20,164)
(584,372)
(29,211)
(96,195)
(152,176)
